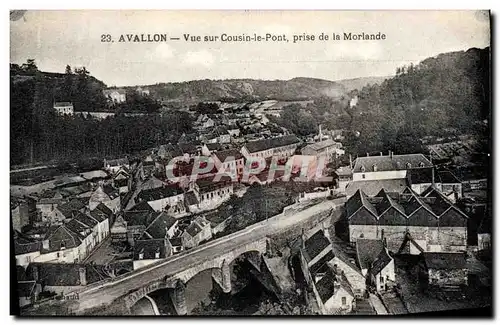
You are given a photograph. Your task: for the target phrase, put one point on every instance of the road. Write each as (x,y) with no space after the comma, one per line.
(110,290)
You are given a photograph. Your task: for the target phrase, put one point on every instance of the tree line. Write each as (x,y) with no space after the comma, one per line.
(38,134)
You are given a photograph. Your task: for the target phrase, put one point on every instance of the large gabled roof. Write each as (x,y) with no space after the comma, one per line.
(357,201)
(387,163)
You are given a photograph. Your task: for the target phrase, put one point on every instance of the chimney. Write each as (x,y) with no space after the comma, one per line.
(391,153)
(381,154)
(367,154)
(350,161)
(83,275)
(303,237)
(432,176)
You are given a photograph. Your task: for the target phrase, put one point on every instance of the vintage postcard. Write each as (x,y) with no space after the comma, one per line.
(250,162)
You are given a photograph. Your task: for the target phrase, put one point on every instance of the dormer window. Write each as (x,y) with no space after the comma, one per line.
(141,256)
(421,164)
(374,167)
(63,246)
(408,165)
(363,169)
(398,165)
(157,254)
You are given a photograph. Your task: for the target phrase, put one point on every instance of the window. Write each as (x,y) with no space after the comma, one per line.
(344,301)
(363,176)
(381,279)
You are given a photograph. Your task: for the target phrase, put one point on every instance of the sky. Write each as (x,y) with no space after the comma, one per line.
(57,38)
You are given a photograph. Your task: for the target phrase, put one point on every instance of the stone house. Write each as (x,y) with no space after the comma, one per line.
(387,167)
(375,263)
(283,146)
(148,251)
(433,222)
(107,195)
(198,231)
(443,270)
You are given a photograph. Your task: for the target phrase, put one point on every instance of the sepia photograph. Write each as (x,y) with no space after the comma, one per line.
(250,163)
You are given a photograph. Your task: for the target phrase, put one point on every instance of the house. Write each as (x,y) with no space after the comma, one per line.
(134,223)
(27,292)
(64,108)
(283,146)
(344,177)
(169,151)
(64,278)
(67,243)
(333,294)
(375,263)
(326,149)
(443,270)
(434,223)
(387,167)
(445,181)
(115,96)
(119,230)
(26,250)
(198,231)
(114,165)
(148,251)
(122,180)
(230,161)
(316,250)
(107,195)
(208,148)
(346,264)
(142,91)
(213,191)
(163,226)
(66,210)
(48,201)
(22,211)
(176,243)
(161,198)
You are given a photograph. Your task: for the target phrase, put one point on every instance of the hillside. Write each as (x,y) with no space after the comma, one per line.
(445,95)
(359,83)
(246,90)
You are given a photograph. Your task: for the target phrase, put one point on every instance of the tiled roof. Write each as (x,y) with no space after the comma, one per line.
(380,262)
(357,201)
(142,206)
(326,286)
(316,244)
(372,187)
(59,235)
(261,145)
(367,251)
(62,104)
(159,193)
(149,248)
(321,145)
(158,227)
(386,163)
(387,202)
(25,247)
(61,274)
(190,199)
(86,219)
(235,154)
(445,261)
